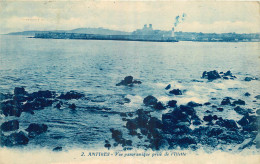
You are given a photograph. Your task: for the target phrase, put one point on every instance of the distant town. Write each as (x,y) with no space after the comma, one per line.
(147,32)
(193,36)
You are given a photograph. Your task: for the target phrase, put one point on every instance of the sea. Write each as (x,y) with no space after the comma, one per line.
(94,67)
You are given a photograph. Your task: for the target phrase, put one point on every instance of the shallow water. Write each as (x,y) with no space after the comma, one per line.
(95,67)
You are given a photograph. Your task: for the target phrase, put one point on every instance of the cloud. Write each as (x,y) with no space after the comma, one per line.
(128,16)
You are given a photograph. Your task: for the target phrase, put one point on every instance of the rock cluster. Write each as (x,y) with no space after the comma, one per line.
(22,101)
(212,75)
(20,138)
(118,137)
(128,81)
(175,128)
(250,78)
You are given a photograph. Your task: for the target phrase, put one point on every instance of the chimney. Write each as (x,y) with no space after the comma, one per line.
(173,32)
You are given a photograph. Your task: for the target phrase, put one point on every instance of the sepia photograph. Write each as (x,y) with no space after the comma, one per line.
(129,82)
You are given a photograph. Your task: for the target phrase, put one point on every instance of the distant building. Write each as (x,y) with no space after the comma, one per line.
(150,31)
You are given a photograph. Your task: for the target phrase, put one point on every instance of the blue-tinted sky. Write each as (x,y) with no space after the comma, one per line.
(241,17)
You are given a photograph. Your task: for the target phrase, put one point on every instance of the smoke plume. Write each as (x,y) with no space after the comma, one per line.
(179,19)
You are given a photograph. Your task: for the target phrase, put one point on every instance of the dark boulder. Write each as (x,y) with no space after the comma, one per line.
(176,122)
(142,118)
(247,94)
(257,97)
(220,109)
(214,131)
(136,82)
(128,80)
(226,78)
(107,145)
(127,143)
(215,117)
(150,101)
(172,103)
(58,105)
(159,106)
(243,121)
(193,104)
(228,73)
(71,95)
(226,101)
(176,92)
(10,125)
(58,148)
(239,102)
(14,139)
(182,114)
(123,114)
(43,94)
(208,118)
(211,75)
(207,103)
(229,124)
(248,78)
(116,135)
(196,120)
(240,110)
(187,109)
(185,140)
(72,106)
(155,123)
(40,103)
(19,91)
(131,124)
(36,128)
(158,144)
(10,110)
(200,131)
(168,87)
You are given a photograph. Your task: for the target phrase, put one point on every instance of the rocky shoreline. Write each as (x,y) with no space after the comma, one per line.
(180,127)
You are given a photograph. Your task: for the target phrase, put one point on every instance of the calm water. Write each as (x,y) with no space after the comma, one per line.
(94,67)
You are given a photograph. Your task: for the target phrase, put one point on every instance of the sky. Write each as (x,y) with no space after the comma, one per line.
(218,17)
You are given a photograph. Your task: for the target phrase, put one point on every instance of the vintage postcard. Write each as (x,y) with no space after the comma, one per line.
(129,82)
